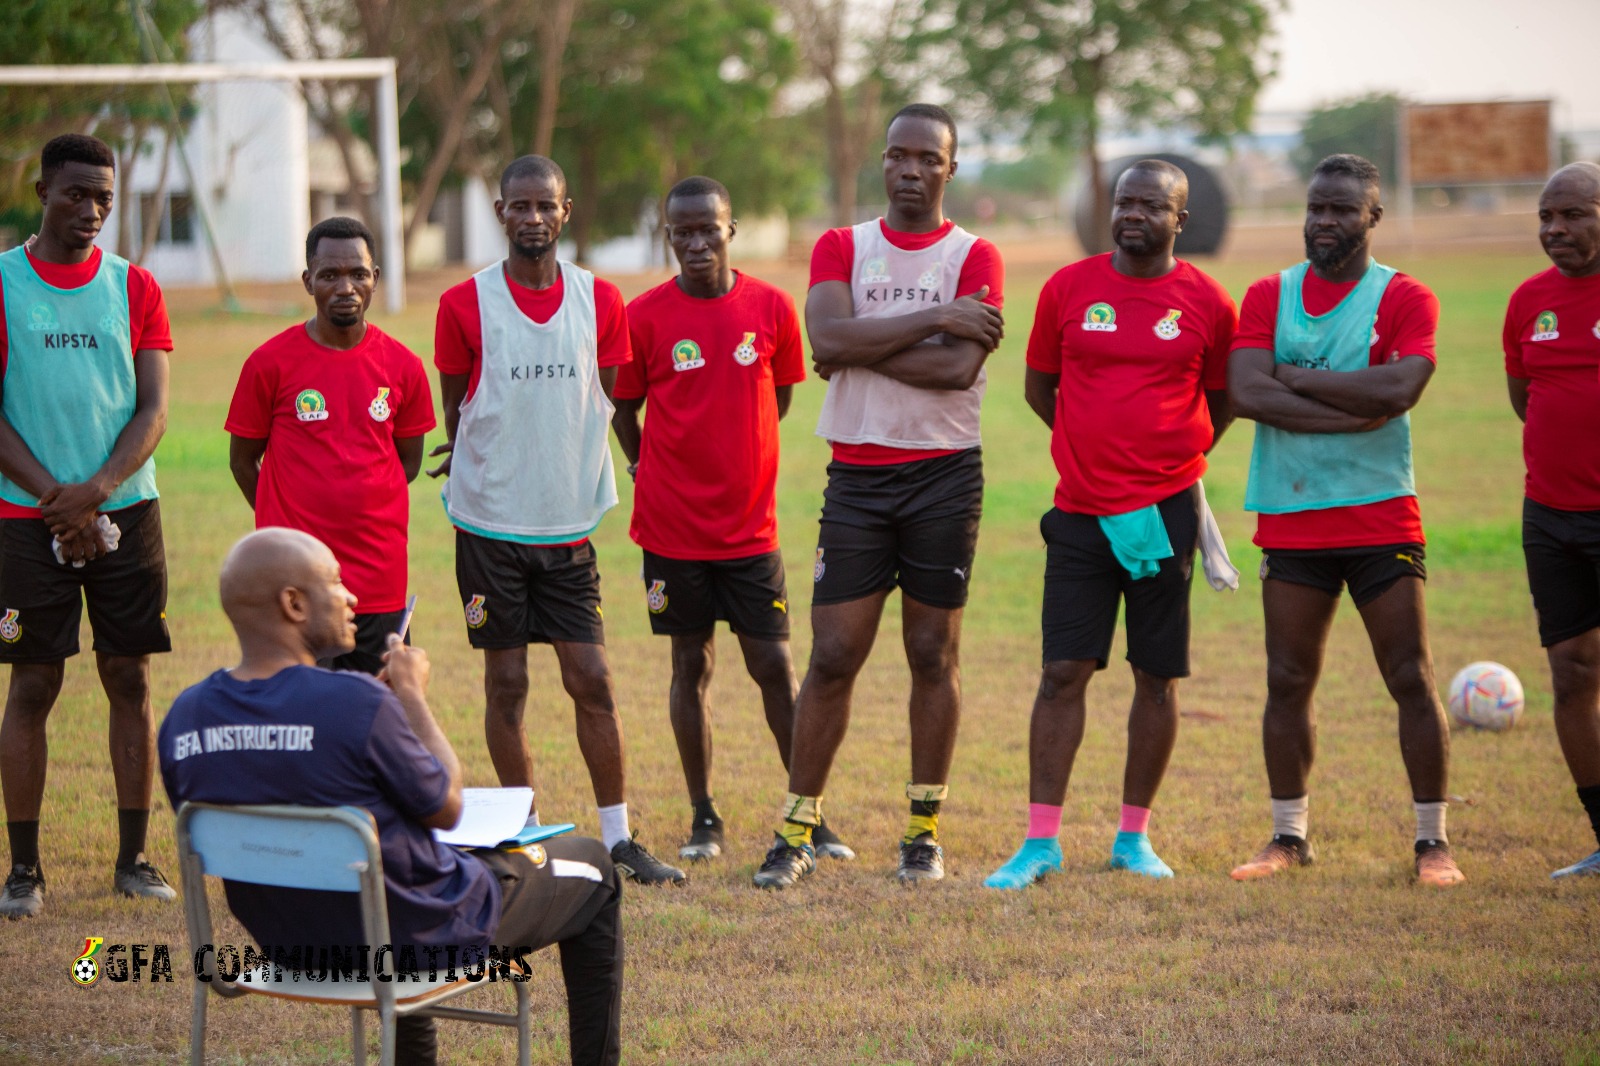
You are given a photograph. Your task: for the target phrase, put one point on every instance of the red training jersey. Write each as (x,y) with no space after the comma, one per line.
(458,330)
(708,463)
(330,419)
(1552,340)
(149,328)
(834,259)
(1135,358)
(1408,316)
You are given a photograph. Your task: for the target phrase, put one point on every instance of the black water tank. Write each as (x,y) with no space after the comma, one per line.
(1208,205)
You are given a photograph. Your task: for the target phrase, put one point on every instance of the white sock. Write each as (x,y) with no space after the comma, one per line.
(614,825)
(1290,817)
(1430,821)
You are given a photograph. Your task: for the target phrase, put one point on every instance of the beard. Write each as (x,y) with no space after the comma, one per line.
(1336,255)
(1142,245)
(533,249)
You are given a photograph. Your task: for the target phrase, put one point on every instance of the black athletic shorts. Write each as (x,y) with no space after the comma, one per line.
(372,641)
(1562,549)
(909,524)
(1370,572)
(517,594)
(1083,583)
(689,596)
(41,600)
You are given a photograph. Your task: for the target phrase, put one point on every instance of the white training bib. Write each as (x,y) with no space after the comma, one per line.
(865,407)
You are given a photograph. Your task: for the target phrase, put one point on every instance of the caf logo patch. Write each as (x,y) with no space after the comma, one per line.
(1100,318)
(875,271)
(10,628)
(86,968)
(42,319)
(655,597)
(820,568)
(686,356)
(1167,329)
(309,406)
(476,612)
(745,354)
(1544,327)
(379,408)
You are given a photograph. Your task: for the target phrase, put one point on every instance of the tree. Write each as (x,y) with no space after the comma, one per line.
(1062,66)
(1365,125)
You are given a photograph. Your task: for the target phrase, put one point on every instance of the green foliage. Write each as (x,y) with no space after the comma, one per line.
(79,32)
(1365,125)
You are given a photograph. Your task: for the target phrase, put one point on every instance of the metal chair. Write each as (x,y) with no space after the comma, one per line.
(329,848)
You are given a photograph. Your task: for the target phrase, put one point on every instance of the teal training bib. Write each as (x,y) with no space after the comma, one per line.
(69,388)
(1313,471)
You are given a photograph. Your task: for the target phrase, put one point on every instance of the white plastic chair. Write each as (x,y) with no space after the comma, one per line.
(329,848)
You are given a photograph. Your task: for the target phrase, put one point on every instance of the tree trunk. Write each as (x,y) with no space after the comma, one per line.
(843,159)
(583,205)
(125,169)
(152,222)
(1100,197)
(552,48)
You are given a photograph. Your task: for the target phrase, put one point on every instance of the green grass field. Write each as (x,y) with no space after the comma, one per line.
(1344,962)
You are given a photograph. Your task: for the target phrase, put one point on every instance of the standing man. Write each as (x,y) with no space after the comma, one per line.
(327,422)
(1128,365)
(377,746)
(84,403)
(1552,345)
(1330,355)
(717,354)
(902,313)
(527,352)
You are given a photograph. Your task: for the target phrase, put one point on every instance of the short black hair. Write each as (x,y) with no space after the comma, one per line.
(74,148)
(933,112)
(339,228)
(700,186)
(1180,180)
(533,166)
(1353,166)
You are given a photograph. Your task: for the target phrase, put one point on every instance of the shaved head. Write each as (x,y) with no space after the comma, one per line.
(1583,178)
(281,587)
(1178,181)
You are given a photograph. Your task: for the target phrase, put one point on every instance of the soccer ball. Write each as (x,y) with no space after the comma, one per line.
(1486,696)
(84,971)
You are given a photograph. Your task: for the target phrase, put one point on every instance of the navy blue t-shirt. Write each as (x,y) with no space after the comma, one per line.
(318,738)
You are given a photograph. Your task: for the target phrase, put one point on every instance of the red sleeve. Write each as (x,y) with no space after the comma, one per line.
(834,257)
(611,322)
(631,382)
(1258,318)
(1412,311)
(147,313)
(457,331)
(1226,323)
(415,416)
(789,358)
(250,413)
(983,267)
(1044,343)
(1509,339)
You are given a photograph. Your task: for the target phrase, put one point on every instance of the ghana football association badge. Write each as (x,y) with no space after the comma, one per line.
(819,568)
(1167,329)
(476,612)
(746,353)
(655,597)
(379,408)
(10,628)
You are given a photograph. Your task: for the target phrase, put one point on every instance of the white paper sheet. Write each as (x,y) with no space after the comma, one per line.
(488,816)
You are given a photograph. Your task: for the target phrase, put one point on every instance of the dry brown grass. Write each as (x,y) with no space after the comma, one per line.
(1345,962)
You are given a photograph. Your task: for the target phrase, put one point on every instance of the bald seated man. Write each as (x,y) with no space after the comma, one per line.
(1552,346)
(276,728)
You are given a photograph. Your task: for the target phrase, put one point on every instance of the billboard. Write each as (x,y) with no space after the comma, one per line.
(1462,144)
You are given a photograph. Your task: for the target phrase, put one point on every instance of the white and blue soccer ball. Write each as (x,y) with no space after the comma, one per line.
(1486,696)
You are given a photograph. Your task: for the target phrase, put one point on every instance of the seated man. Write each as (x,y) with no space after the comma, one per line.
(376,745)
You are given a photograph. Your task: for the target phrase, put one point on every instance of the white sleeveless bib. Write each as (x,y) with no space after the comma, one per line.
(532,458)
(865,407)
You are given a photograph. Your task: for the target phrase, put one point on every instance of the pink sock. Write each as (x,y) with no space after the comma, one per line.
(1043,820)
(1134,819)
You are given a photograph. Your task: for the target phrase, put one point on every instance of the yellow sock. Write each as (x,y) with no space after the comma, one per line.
(801,814)
(925,801)
(920,824)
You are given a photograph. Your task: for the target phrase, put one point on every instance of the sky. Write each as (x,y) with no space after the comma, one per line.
(1438,51)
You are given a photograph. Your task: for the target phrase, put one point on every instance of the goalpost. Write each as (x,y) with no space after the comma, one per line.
(386,135)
